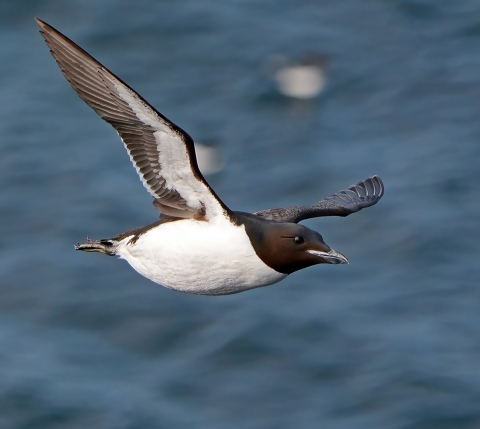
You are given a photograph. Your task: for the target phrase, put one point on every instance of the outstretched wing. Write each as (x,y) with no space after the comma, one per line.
(343,203)
(162,153)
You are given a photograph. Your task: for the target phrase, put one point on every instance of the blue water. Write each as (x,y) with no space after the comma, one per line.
(390,341)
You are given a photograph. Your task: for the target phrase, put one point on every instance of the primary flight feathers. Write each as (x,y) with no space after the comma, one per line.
(364,194)
(162,153)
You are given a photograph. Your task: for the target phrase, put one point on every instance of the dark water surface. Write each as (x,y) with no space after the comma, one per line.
(390,341)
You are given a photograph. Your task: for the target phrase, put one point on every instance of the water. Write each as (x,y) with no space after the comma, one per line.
(390,341)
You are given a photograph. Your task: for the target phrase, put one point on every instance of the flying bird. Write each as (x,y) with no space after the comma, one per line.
(198,245)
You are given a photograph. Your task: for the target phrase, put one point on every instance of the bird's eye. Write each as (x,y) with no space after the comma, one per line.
(298,240)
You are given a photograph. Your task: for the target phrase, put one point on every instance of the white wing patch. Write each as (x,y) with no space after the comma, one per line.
(173,158)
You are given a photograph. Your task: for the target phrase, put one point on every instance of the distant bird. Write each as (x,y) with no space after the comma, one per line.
(209,160)
(199,245)
(303,79)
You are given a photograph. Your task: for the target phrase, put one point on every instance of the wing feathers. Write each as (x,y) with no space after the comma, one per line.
(162,153)
(356,197)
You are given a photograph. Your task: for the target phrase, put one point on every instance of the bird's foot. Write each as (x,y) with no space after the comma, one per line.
(108,247)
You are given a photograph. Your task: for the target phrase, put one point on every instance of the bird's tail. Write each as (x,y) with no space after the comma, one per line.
(109,247)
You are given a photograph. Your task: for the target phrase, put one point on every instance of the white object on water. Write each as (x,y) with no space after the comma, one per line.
(209,159)
(300,81)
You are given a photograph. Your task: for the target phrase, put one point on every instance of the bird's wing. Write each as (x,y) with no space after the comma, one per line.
(162,153)
(364,194)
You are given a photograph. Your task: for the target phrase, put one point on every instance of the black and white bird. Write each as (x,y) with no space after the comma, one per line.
(199,245)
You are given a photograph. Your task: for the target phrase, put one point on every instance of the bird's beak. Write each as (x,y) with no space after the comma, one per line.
(331,257)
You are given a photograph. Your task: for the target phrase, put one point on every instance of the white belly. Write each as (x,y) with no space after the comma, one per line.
(210,258)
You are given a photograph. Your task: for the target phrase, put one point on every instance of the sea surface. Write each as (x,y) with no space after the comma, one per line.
(391,341)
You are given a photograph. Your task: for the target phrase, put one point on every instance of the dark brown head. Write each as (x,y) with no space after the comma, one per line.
(287,247)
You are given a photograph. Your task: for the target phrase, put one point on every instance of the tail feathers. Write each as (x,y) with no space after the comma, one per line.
(108,247)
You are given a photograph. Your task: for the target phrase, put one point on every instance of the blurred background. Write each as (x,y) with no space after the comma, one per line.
(294,101)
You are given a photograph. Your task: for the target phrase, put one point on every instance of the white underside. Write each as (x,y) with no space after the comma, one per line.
(210,258)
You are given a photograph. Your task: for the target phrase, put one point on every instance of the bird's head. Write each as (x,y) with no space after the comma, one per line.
(289,247)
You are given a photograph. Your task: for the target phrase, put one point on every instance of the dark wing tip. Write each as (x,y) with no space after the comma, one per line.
(368,191)
(43,25)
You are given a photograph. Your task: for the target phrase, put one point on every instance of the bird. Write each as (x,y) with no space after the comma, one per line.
(302,79)
(198,245)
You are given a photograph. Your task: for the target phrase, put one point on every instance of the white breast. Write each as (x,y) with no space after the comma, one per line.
(210,258)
